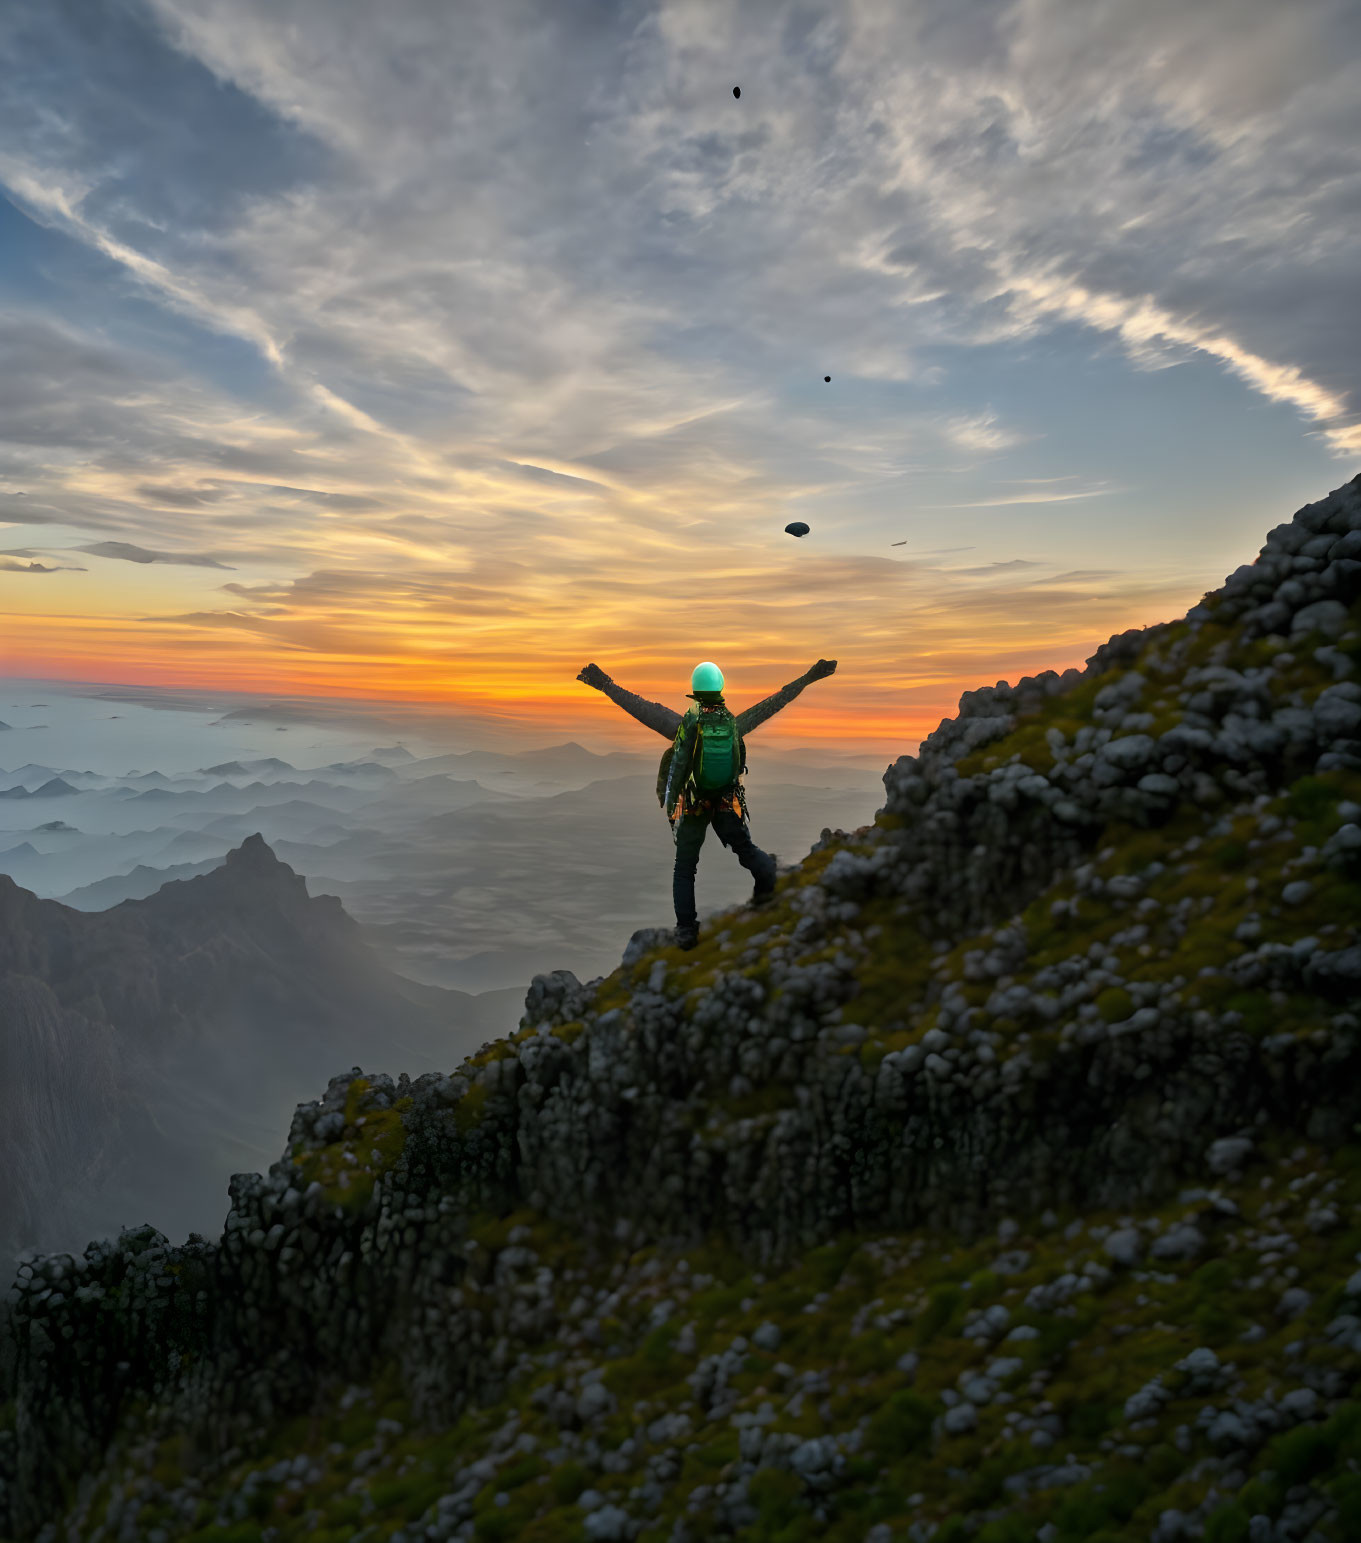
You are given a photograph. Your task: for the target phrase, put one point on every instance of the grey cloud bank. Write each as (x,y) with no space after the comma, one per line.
(125,551)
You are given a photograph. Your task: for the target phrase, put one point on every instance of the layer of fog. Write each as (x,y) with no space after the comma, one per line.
(468,868)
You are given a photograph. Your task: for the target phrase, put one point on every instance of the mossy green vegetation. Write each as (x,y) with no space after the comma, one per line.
(877,1336)
(469,1109)
(369,1145)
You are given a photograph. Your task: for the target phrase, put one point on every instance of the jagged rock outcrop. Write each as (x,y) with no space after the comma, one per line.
(979,846)
(1104,922)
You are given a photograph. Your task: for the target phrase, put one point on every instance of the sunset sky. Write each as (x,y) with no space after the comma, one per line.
(428,351)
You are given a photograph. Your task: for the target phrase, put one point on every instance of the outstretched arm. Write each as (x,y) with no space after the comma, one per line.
(662,720)
(753,717)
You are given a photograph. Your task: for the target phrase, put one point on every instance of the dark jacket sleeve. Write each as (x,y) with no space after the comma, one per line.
(752,717)
(662,720)
(682,758)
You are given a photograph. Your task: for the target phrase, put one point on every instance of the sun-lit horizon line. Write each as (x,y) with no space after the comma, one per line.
(858,728)
(385,699)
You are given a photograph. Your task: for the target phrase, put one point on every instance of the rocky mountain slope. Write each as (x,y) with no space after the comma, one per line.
(149,1047)
(1000,1182)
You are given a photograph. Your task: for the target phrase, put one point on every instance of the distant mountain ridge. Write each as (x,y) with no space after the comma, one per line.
(57,787)
(245,768)
(231,979)
(141,882)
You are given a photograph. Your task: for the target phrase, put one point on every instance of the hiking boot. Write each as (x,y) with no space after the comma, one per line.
(764,892)
(687,934)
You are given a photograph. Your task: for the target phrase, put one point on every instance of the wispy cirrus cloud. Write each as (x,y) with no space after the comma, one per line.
(981,431)
(1036,497)
(995,570)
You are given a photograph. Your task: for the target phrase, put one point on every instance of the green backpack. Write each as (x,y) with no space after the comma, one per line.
(717,761)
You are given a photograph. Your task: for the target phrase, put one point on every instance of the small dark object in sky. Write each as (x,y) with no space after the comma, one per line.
(827,377)
(737,91)
(898,543)
(796,528)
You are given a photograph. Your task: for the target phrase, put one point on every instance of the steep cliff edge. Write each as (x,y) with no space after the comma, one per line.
(1102,940)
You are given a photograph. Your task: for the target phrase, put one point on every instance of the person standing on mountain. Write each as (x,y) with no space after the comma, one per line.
(698,782)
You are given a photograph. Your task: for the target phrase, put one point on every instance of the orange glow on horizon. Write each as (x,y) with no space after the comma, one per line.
(907,645)
(873,716)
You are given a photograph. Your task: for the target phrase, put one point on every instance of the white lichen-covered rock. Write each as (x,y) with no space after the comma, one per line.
(1184,1241)
(1228,1153)
(609,1524)
(1147,1401)
(1125,1246)
(1201,1371)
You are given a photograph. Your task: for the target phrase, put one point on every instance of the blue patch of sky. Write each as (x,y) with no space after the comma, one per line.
(37,264)
(1157,145)
(1201,463)
(173,153)
(45,271)
(171,146)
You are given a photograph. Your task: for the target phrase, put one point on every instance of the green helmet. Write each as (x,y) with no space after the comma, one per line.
(706,677)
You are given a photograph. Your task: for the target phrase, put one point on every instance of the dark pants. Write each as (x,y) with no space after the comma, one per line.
(732,831)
